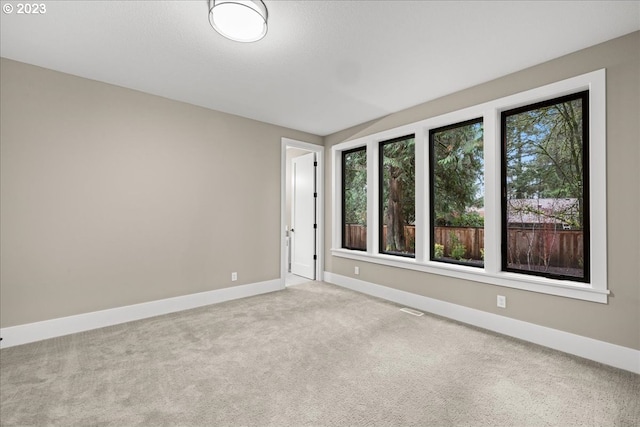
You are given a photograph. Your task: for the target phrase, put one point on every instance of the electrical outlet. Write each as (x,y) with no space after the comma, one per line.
(502,301)
(356,270)
(234,276)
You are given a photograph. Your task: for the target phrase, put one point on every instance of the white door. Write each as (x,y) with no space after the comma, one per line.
(303,210)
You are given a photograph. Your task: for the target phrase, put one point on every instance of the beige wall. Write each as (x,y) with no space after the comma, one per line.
(111,197)
(617,322)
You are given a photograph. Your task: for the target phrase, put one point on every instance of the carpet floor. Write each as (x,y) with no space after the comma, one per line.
(311,355)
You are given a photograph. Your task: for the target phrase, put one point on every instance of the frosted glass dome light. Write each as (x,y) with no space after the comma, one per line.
(239,20)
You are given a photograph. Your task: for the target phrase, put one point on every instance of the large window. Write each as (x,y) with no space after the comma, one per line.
(510,192)
(398,201)
(457,193)
(354,199)
(545,188)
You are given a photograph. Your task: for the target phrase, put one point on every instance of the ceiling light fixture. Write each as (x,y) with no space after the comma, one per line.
(239,20)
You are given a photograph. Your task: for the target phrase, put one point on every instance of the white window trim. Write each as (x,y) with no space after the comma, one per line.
(596,291)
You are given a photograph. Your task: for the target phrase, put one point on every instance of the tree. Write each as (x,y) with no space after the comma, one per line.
(458,172)
(398,191)
(544,153)
(355,191)
(394,211)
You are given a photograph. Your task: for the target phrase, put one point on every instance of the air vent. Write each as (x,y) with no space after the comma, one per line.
(412,311)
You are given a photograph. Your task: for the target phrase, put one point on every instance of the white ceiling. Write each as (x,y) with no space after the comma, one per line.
(324,65)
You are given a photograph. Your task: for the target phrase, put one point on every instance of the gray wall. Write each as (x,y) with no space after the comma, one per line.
(111,197)
(617,322)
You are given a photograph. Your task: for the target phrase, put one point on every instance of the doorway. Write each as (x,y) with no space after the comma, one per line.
(302,207)
(302,225)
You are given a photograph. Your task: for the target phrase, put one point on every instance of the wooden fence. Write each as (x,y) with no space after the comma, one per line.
(471,237)
(355,236)
(558,248)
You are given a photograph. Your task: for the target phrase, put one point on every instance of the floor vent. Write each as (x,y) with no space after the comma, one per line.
(412,311)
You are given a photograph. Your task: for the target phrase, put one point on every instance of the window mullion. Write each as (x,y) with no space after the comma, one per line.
(421,189)
(372,197)
(337,219)
(492,186)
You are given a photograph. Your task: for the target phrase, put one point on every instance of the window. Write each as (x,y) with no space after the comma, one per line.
(397,201)
(354,199)
(511,192)
(545,209)
(457,193)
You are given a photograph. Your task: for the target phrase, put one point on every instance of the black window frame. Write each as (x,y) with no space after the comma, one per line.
(584,96)
(432,219)
(344,209)
(381,145)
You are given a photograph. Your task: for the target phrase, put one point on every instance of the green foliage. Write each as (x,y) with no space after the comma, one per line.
(401,155)
(482,253)
(545,154)
(355,192)
(398,192)
(458,250)
(438,250)
(467,219)
(458,175)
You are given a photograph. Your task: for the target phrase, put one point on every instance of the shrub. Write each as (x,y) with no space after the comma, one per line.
(458,250)
(438,250)
(467,219)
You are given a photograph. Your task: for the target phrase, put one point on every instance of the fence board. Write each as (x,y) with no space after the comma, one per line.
(560,248)
(355,236)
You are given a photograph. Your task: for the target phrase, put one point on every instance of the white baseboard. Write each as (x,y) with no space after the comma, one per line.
(30,332)
(588,348)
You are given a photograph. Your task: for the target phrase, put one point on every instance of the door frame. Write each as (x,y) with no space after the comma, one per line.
(319,249)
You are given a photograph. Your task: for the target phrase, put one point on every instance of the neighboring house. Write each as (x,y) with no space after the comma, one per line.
(548,213)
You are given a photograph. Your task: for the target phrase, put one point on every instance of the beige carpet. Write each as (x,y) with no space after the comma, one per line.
(314,354)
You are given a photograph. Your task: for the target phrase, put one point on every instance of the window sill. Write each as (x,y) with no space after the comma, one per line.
(543,285)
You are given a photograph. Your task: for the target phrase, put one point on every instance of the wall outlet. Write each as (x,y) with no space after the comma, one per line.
(356,270)
(234,276)
(502,301)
